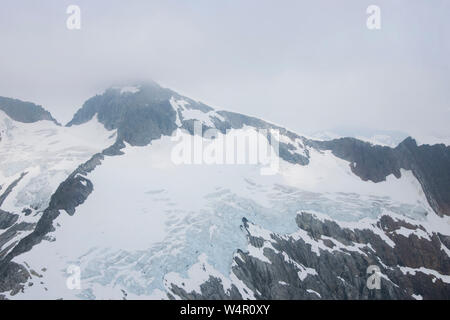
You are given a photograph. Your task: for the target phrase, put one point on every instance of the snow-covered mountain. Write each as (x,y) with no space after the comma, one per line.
(387,138)
(103,194)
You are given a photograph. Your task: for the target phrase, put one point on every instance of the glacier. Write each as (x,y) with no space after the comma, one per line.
(150,223)
(154,220)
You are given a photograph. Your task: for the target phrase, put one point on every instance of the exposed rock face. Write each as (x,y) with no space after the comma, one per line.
(24,111)
(71,193)
(147,114)
(13,279)
(7,219)
(429,164)
(9,234)
(138,117)
(324,260)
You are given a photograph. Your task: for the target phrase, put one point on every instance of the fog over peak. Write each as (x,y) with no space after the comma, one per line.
(306,65)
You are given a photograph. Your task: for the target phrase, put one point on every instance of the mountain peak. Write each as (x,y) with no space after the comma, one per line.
(141,112)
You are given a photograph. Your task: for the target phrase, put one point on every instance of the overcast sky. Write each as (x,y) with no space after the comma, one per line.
(307,65)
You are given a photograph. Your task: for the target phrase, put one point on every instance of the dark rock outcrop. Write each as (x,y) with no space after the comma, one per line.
(147,114)
(138,117)
(429,164)
(13,279)
(71,193)
(24,111)
(337,268)
(7,219)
